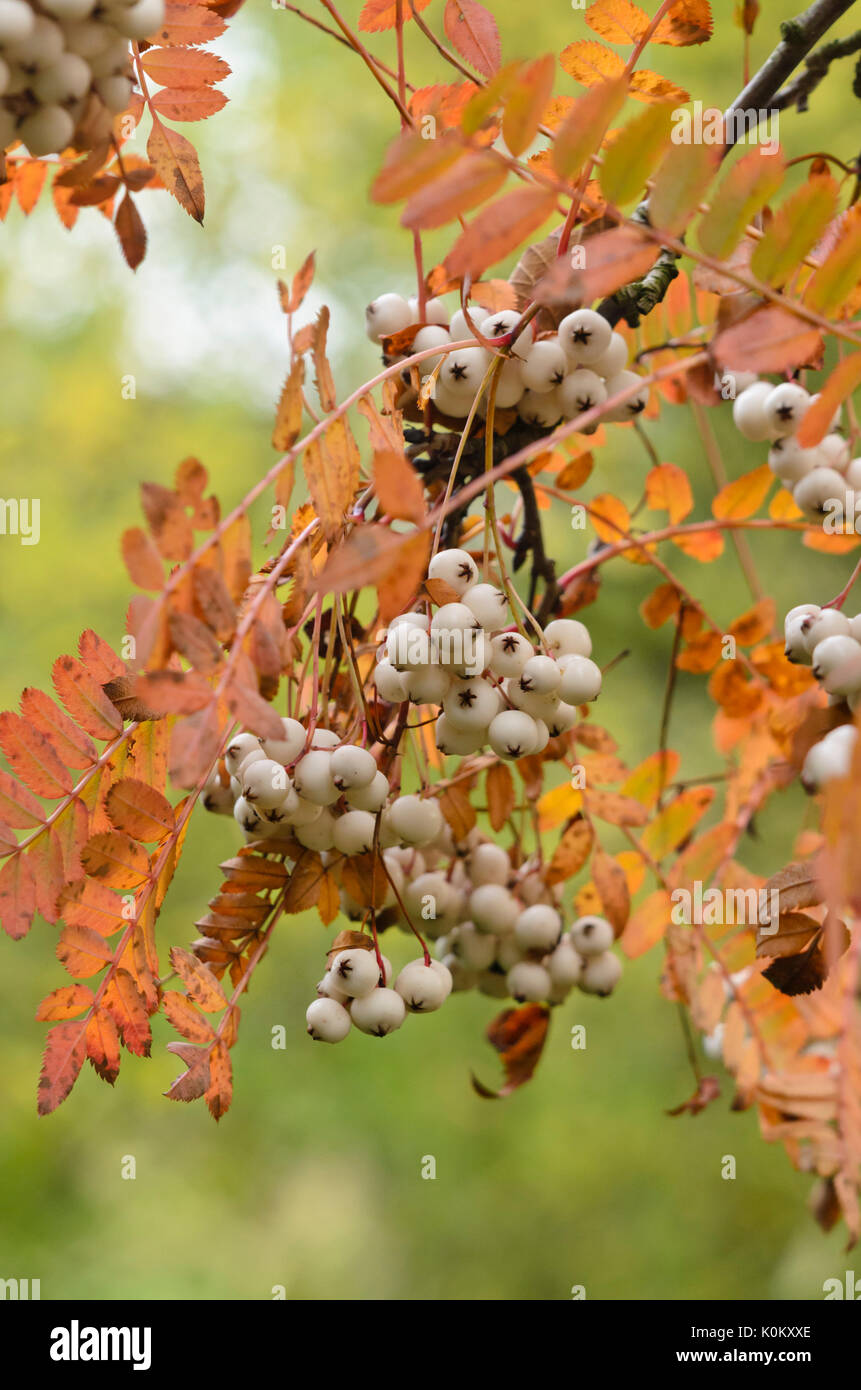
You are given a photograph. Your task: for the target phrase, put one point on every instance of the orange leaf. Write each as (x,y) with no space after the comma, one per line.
(610,517)
(499,229)
(139,810)
(615,258)
(186,23)
(743,496)
(589,62)
(184,67)
(219,1092)
(839,386)
(769,339)
(500,795)
(647,925)
(103,1045)
(33,757)
(83,951)
(399,491)
(332,474)
(185,1017)
(66,1002)
(84,698)
(754,625)
(411,162)
(377,15)
(701,652)
(661,604)
(668,489)
(617,20)
(142,559)
(175,160)
(115,859)
(199,980)
(459,189)
(65,1053)
(611,885)
(650,86)
(180,105)
(288,418)
(688,22)
(704,546)
(17,896)
(125,1003)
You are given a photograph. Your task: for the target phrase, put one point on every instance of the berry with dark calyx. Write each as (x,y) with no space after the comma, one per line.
(509,653)
(353,767)
(422,988)
(356,972)
(544,367)
(378,1013)
(456,568)
(580,391)
(528,982)
(568,637)
(749,413)
(591,936)
(512,734)
(584,336)
(327,1021)
(785,407)
(634,405)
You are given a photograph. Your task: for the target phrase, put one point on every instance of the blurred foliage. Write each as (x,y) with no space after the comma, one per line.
(313,1180)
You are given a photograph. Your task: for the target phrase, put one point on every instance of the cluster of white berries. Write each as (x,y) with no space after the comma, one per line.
(490,684)
(55,54)
(326,793)
(548,379)
(494,928)
(354,990)
(819,477)
(827,640)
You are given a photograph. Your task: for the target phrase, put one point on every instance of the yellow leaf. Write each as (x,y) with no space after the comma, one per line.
(558,805)
(743,496)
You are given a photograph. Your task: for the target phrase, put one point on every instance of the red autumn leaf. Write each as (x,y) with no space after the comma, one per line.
(139,810)
(499,229)
(460,188)
(17,896)
(615,258)
(65,1053)
(84,698)
(72,746)
(473,31)
(129,227)
(518,1036)
(32,758)
(768,340)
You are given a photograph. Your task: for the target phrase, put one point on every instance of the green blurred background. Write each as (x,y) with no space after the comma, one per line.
(313,1180)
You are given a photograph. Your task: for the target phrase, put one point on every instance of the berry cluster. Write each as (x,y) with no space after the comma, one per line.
(547,379)
(356,989)
(817,478)
(495,928)
(56,56)
(490,683)
(827,640)
(326,793)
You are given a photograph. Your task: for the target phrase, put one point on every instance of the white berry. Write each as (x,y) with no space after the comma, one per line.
(591,936)
(327,1020)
